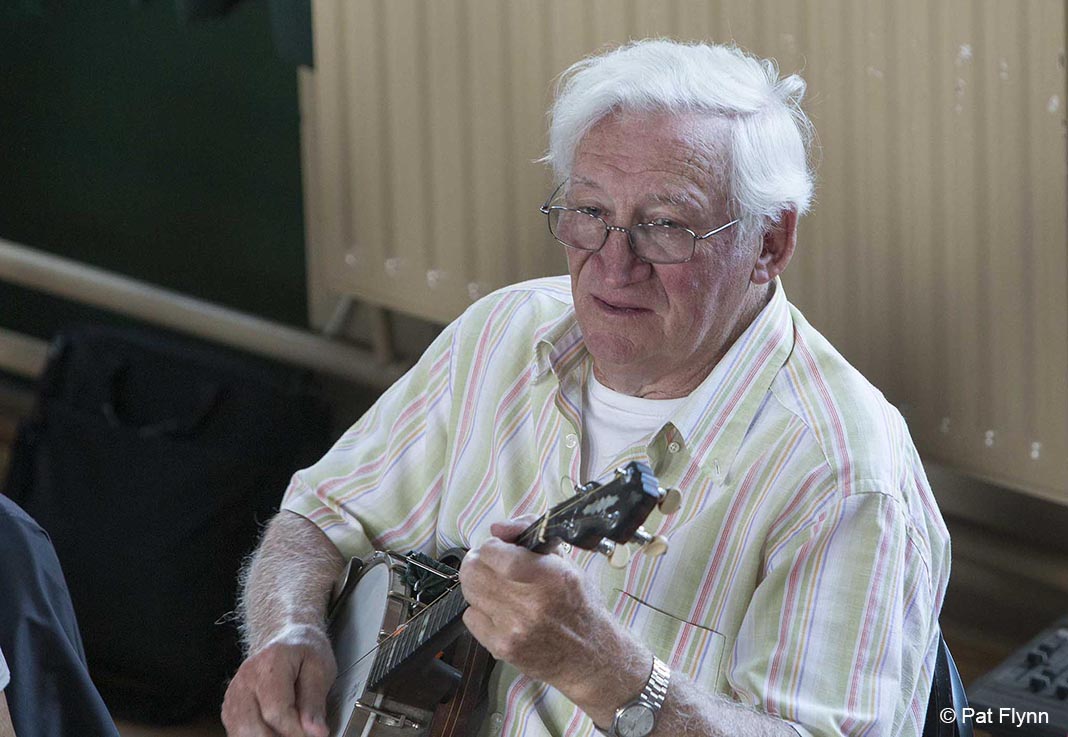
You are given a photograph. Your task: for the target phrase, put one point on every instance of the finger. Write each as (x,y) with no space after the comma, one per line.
(241,712)
(487,589)
(480,625)
(264,729)
(276,696)
(510,530)
(313,684)
(242,718)
(511,562)
(494,556)
(475,578)
(280,720)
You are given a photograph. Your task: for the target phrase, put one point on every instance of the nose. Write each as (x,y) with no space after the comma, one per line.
(619,264)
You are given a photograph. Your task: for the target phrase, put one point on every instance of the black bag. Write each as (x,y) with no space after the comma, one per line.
(151,461)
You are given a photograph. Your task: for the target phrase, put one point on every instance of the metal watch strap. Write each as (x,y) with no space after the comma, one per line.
(652,696)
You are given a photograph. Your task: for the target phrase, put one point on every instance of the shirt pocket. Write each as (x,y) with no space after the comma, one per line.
(686,647)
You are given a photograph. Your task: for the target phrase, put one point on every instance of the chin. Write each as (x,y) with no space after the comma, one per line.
(609,349)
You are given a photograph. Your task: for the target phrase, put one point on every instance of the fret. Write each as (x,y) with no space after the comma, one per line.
(384,663)
(391,648)
(405,645)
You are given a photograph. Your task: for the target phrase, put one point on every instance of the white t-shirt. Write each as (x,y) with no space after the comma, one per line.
(5,674)
(612,421)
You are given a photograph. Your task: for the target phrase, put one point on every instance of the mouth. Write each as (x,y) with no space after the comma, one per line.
(613,308)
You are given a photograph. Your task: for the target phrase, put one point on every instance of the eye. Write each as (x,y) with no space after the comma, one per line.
(668,222)
(590,210)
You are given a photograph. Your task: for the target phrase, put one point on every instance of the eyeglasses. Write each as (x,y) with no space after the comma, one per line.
(654,243)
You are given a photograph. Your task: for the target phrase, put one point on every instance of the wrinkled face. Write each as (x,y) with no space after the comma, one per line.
(658,329)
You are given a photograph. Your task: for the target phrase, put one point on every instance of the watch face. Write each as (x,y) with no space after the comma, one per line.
(635,721)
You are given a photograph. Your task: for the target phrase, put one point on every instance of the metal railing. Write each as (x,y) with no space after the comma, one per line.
(89,285)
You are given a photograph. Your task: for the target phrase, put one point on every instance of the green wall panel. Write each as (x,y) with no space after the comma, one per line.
(167,151)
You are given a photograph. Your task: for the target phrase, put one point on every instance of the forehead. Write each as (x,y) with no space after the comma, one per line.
(674,154)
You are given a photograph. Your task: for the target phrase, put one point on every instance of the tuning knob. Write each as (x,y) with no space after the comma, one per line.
(670,500)
(618,555)
(654,545)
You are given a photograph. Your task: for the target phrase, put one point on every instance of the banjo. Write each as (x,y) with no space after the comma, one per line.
(407,667)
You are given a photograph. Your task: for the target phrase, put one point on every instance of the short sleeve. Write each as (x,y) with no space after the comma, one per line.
(380,485)
(841,627)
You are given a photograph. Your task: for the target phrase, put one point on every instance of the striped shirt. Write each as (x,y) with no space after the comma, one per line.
(807,563)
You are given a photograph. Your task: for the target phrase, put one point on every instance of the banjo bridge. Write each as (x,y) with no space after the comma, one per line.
(389,718)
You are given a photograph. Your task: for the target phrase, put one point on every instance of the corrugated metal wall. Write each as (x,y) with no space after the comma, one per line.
(935,258)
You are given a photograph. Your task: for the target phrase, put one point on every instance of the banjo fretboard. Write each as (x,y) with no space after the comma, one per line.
(419,634)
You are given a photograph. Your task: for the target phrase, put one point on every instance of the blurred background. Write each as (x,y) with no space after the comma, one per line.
(317,187)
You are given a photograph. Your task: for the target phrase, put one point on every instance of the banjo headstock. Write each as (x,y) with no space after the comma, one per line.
(605,517)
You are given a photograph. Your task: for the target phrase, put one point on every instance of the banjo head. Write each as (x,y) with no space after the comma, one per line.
(358,617)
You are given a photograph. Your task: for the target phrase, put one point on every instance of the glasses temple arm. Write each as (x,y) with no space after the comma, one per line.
(712,232)
(545,208)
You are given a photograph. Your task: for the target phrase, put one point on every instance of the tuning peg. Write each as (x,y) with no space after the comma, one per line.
(654,545)
(618,555)
(670,500)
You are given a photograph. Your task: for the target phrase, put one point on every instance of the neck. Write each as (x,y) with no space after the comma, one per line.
(637,384)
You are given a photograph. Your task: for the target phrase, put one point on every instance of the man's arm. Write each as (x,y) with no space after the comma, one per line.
(290,667)
(281,687)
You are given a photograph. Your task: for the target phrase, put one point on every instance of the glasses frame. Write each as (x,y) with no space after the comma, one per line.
(547,209)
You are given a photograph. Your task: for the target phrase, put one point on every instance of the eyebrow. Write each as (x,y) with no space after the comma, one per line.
(583,181)
(679,199)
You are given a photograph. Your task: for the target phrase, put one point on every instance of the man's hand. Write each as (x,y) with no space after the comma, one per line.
(538,613)
(282,688)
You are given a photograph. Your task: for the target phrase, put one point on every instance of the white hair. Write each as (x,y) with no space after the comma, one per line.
(769,135)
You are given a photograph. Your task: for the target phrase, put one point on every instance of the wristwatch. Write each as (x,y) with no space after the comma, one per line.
(638,718)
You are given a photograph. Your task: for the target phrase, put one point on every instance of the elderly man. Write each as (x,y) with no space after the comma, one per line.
(808,561)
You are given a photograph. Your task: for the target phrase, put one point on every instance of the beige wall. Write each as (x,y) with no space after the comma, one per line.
(936,255)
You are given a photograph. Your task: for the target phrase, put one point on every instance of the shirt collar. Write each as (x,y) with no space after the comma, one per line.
(559,346)
(714,423)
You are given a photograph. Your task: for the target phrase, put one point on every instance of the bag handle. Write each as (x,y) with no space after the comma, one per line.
(172,427)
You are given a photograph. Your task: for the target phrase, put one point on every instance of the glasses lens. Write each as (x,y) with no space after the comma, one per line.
(662,244)
(576,229)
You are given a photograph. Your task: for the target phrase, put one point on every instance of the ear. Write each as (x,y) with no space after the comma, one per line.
(777,247)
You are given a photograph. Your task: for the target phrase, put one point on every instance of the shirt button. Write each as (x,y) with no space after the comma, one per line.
(496,721)
(571,440)
(674,447)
